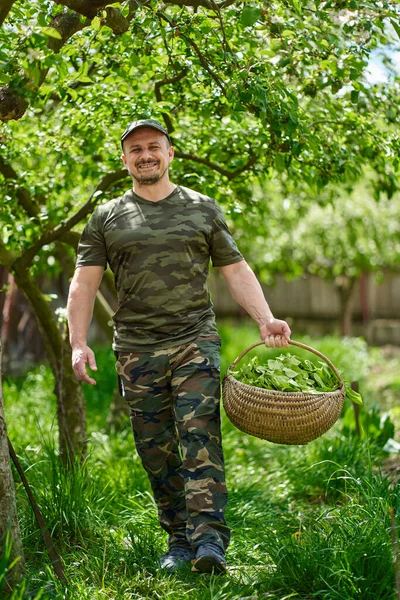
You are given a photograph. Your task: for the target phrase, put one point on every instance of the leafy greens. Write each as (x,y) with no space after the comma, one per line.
(287,373)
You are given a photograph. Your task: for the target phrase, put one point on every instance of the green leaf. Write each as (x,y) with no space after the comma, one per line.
(274,365)
(297,6)
(290,373)
(51,32)
(73,93)
(280,162)
(85,79)
(395,26)
(46,89)
(96,24)
(287,373)
(250,15)
(352,395)
(4,78)
(288,34)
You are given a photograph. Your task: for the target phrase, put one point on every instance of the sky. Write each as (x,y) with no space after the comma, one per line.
(377,72)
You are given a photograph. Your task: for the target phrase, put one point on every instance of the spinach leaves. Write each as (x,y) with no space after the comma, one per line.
(287,373)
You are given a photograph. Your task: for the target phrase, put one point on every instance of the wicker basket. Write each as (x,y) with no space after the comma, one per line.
(281,417)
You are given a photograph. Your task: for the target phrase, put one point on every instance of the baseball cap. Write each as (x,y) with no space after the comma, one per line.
(144,123)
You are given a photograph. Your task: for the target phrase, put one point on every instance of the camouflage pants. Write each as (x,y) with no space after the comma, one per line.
(173,395)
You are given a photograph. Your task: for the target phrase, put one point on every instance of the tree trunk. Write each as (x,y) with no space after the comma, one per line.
(8,307)
(346,289)
(71,409)
(8,511)
(5,8)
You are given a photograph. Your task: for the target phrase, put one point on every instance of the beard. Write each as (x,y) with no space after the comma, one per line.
(147,178)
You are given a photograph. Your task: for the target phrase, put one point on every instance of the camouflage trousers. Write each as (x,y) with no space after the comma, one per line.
(173,395)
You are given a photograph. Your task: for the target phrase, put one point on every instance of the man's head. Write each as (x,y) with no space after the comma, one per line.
(147,151)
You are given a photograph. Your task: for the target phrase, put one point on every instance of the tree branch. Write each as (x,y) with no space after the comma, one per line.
(157,90)
(90,8)
(116,21)
(215,167)
(66,24)
(325,121)
(12,105)
(7,257)
(65,226)
(22,194)
(5,7)
(203,3)
(200,56)
(71,238)
(42,310)
(87,8)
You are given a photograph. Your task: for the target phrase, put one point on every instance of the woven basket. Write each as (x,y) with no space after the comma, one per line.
(281,417)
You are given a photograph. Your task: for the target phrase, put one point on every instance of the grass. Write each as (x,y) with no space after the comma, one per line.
(307,522)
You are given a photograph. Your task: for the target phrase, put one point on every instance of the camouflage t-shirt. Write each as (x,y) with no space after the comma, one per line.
(159,253)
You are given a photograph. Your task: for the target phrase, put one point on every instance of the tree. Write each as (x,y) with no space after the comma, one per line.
(338,241)
(245,89)
(290,74)
(9,526)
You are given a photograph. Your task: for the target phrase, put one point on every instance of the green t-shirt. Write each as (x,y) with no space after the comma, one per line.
(159,253)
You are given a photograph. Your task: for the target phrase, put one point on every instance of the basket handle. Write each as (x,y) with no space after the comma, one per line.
(293,343)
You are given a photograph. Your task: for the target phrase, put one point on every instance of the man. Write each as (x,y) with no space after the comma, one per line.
(158,240)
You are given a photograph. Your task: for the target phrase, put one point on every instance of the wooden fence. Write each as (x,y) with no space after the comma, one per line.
(311,305)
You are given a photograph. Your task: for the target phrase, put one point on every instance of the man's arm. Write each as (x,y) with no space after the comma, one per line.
(82,294)
(247,292)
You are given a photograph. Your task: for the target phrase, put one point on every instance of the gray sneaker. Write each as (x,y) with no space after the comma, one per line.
(176,557)
(210,558)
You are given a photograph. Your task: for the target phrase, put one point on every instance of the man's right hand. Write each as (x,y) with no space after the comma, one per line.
(81,357)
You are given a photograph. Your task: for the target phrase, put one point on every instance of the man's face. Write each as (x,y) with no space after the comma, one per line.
(147,155)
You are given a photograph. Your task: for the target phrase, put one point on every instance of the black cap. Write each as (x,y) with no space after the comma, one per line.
(144,123)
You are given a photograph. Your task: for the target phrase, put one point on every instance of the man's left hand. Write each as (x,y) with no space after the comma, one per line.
(275,333)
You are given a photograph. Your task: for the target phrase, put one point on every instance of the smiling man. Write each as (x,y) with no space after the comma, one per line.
(158,239)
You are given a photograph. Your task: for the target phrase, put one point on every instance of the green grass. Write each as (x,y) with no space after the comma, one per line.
(307,522)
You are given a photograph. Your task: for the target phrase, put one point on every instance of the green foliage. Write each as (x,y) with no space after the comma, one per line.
(334,556)
(378,428)
(247,91)
(350,355)
(6,562)
(75,503)
(287,373)
(338,234)
(310,521)
(98,397)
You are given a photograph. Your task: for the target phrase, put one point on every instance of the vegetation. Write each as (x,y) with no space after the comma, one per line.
(12,555)
(308,522)
(338,234)
(289,374)
(251,92)
(220,76)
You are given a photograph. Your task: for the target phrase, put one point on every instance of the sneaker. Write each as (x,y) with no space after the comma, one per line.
(210,558)
(176,557)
